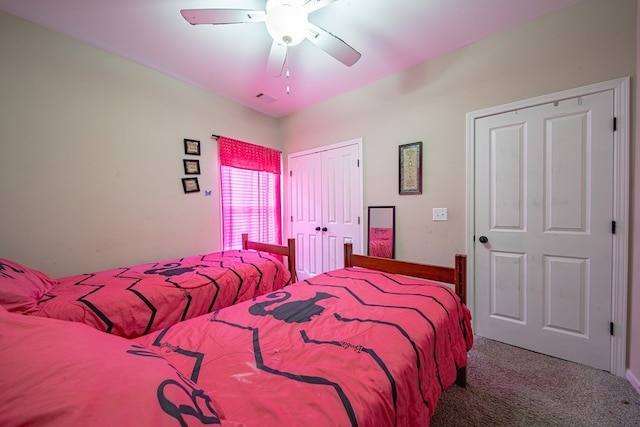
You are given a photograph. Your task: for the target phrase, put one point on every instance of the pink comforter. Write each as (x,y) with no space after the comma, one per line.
(133,301)
(348,347)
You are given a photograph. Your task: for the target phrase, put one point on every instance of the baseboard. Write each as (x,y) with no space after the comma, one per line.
(633,380)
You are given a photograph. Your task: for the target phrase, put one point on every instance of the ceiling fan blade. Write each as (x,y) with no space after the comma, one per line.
(222,16)
(333,45)
(277,58)
(313,5)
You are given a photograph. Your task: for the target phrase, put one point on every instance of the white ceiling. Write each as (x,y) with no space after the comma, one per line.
(230,60)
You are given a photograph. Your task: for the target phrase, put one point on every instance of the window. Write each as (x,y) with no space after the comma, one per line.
(250,193)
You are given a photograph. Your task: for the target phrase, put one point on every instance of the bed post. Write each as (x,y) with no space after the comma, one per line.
(460,277)
(291,259)
(348,251)
(245,240)
(461,377)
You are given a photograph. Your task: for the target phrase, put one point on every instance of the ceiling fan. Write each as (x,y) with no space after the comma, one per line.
(288,24)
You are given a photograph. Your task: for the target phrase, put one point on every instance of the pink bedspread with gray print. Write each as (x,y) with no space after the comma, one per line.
(137,300)
(351,347)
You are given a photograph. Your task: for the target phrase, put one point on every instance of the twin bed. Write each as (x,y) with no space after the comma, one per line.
(136,300)
(372,344)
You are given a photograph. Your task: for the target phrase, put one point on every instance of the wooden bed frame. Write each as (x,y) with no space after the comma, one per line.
(456,275)
(289,251)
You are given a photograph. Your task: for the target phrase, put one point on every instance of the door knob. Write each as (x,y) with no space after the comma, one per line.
(317,228)
(483,239)
(324,228)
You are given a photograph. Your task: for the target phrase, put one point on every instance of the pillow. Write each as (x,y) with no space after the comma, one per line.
(66,373)
(21,287)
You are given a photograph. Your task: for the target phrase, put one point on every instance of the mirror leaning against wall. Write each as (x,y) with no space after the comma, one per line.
(382,231)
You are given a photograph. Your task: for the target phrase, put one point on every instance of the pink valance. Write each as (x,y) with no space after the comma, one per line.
(242,155)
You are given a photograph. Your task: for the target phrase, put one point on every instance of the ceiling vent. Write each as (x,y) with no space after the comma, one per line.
(265,98)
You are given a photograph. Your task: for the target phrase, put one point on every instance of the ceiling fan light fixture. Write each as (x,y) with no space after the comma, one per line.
(287,24)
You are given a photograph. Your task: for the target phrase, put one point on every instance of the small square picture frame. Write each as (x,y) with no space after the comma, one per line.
(190,185)
(191,147)
(191,167)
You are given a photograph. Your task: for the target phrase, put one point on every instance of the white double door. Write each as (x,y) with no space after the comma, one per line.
(543,228)
(326,206)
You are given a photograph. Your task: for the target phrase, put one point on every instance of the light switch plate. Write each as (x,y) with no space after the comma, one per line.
(439,214)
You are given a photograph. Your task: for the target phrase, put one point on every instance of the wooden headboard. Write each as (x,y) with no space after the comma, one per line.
(456,275)
(289,251)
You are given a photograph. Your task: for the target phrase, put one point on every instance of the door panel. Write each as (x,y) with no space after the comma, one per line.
(508,178)
(567,277)
(508,286)
(306,212)
(342,202)
(544,185)
(567,173)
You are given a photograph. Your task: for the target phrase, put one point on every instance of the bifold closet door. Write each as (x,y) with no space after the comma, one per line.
(325,207)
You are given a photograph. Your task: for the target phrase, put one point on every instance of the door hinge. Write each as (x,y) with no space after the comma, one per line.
(613,227)
(291,218)
(358,220)
(611,328)
(358,162)
(290,173)
(615,124)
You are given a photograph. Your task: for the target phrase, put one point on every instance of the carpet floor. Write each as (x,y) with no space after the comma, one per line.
(510,386)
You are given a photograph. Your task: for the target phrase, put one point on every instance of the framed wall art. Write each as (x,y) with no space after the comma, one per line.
(410,163)
(190,185)
(191,167)
(191,146)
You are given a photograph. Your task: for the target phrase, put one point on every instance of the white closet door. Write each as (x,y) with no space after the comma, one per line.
(341,209)
(306,213)
(326,207)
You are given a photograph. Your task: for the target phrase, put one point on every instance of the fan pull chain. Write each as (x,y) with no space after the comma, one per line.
(287,75)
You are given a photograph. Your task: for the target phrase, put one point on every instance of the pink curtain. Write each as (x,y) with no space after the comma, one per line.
(250,192)
(242,155)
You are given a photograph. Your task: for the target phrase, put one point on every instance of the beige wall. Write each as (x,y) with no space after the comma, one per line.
(91,144)
(591,42)
(91,156)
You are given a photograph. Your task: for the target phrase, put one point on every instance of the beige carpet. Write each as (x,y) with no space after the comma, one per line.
(509,386)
